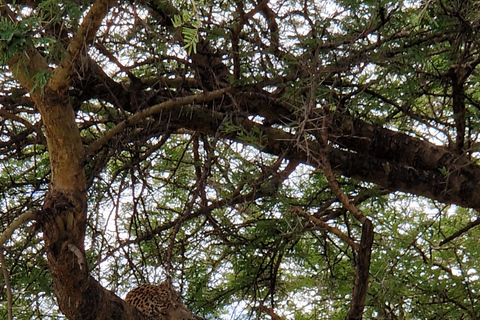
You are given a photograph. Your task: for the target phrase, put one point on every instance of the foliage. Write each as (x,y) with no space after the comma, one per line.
(215,208)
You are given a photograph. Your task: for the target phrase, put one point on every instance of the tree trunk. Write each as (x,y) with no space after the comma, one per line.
(63,217)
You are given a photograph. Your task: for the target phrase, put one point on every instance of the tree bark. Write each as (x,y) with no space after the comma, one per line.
(359,150)
(362,272)
(420,167)
(63,218)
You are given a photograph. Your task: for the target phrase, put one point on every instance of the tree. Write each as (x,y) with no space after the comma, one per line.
(248,150)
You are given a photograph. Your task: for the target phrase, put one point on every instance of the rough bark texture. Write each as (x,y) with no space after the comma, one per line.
(391,159)
(362,272)
(360,150)
(416,166)
(63,218)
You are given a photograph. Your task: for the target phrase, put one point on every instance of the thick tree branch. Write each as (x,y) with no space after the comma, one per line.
(63,218)
(458,187)
(362,273)
(25,66)
(82,39)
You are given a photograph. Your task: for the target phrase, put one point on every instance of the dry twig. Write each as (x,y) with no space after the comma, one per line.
(8,288)
(324,226)
(7,233)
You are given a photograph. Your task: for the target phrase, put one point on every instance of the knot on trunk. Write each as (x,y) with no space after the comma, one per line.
(62,221)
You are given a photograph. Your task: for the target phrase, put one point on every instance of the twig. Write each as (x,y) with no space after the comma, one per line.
(24,217)
(8,288)
(199,98)
(323,225)
(458,233)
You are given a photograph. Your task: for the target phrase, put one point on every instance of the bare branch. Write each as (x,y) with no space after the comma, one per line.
(199,98)
(24,217)
(8,288)
(323,225)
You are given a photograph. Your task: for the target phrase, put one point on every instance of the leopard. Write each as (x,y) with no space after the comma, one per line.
(159,302)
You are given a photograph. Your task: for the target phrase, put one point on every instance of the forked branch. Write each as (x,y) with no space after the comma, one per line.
(325,226)
(82,39)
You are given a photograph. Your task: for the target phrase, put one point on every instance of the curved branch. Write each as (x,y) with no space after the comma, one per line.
(84,36)
(324,226)
(135,118)
(26,123)
(23,218)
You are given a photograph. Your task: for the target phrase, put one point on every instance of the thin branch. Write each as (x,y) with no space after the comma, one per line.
(24,217)
(325,226)
(429,260)
(14,117)
(8,288)
(135,118)
(332,181)
(270,312)
(458,233)
(26,123)
(359,294)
